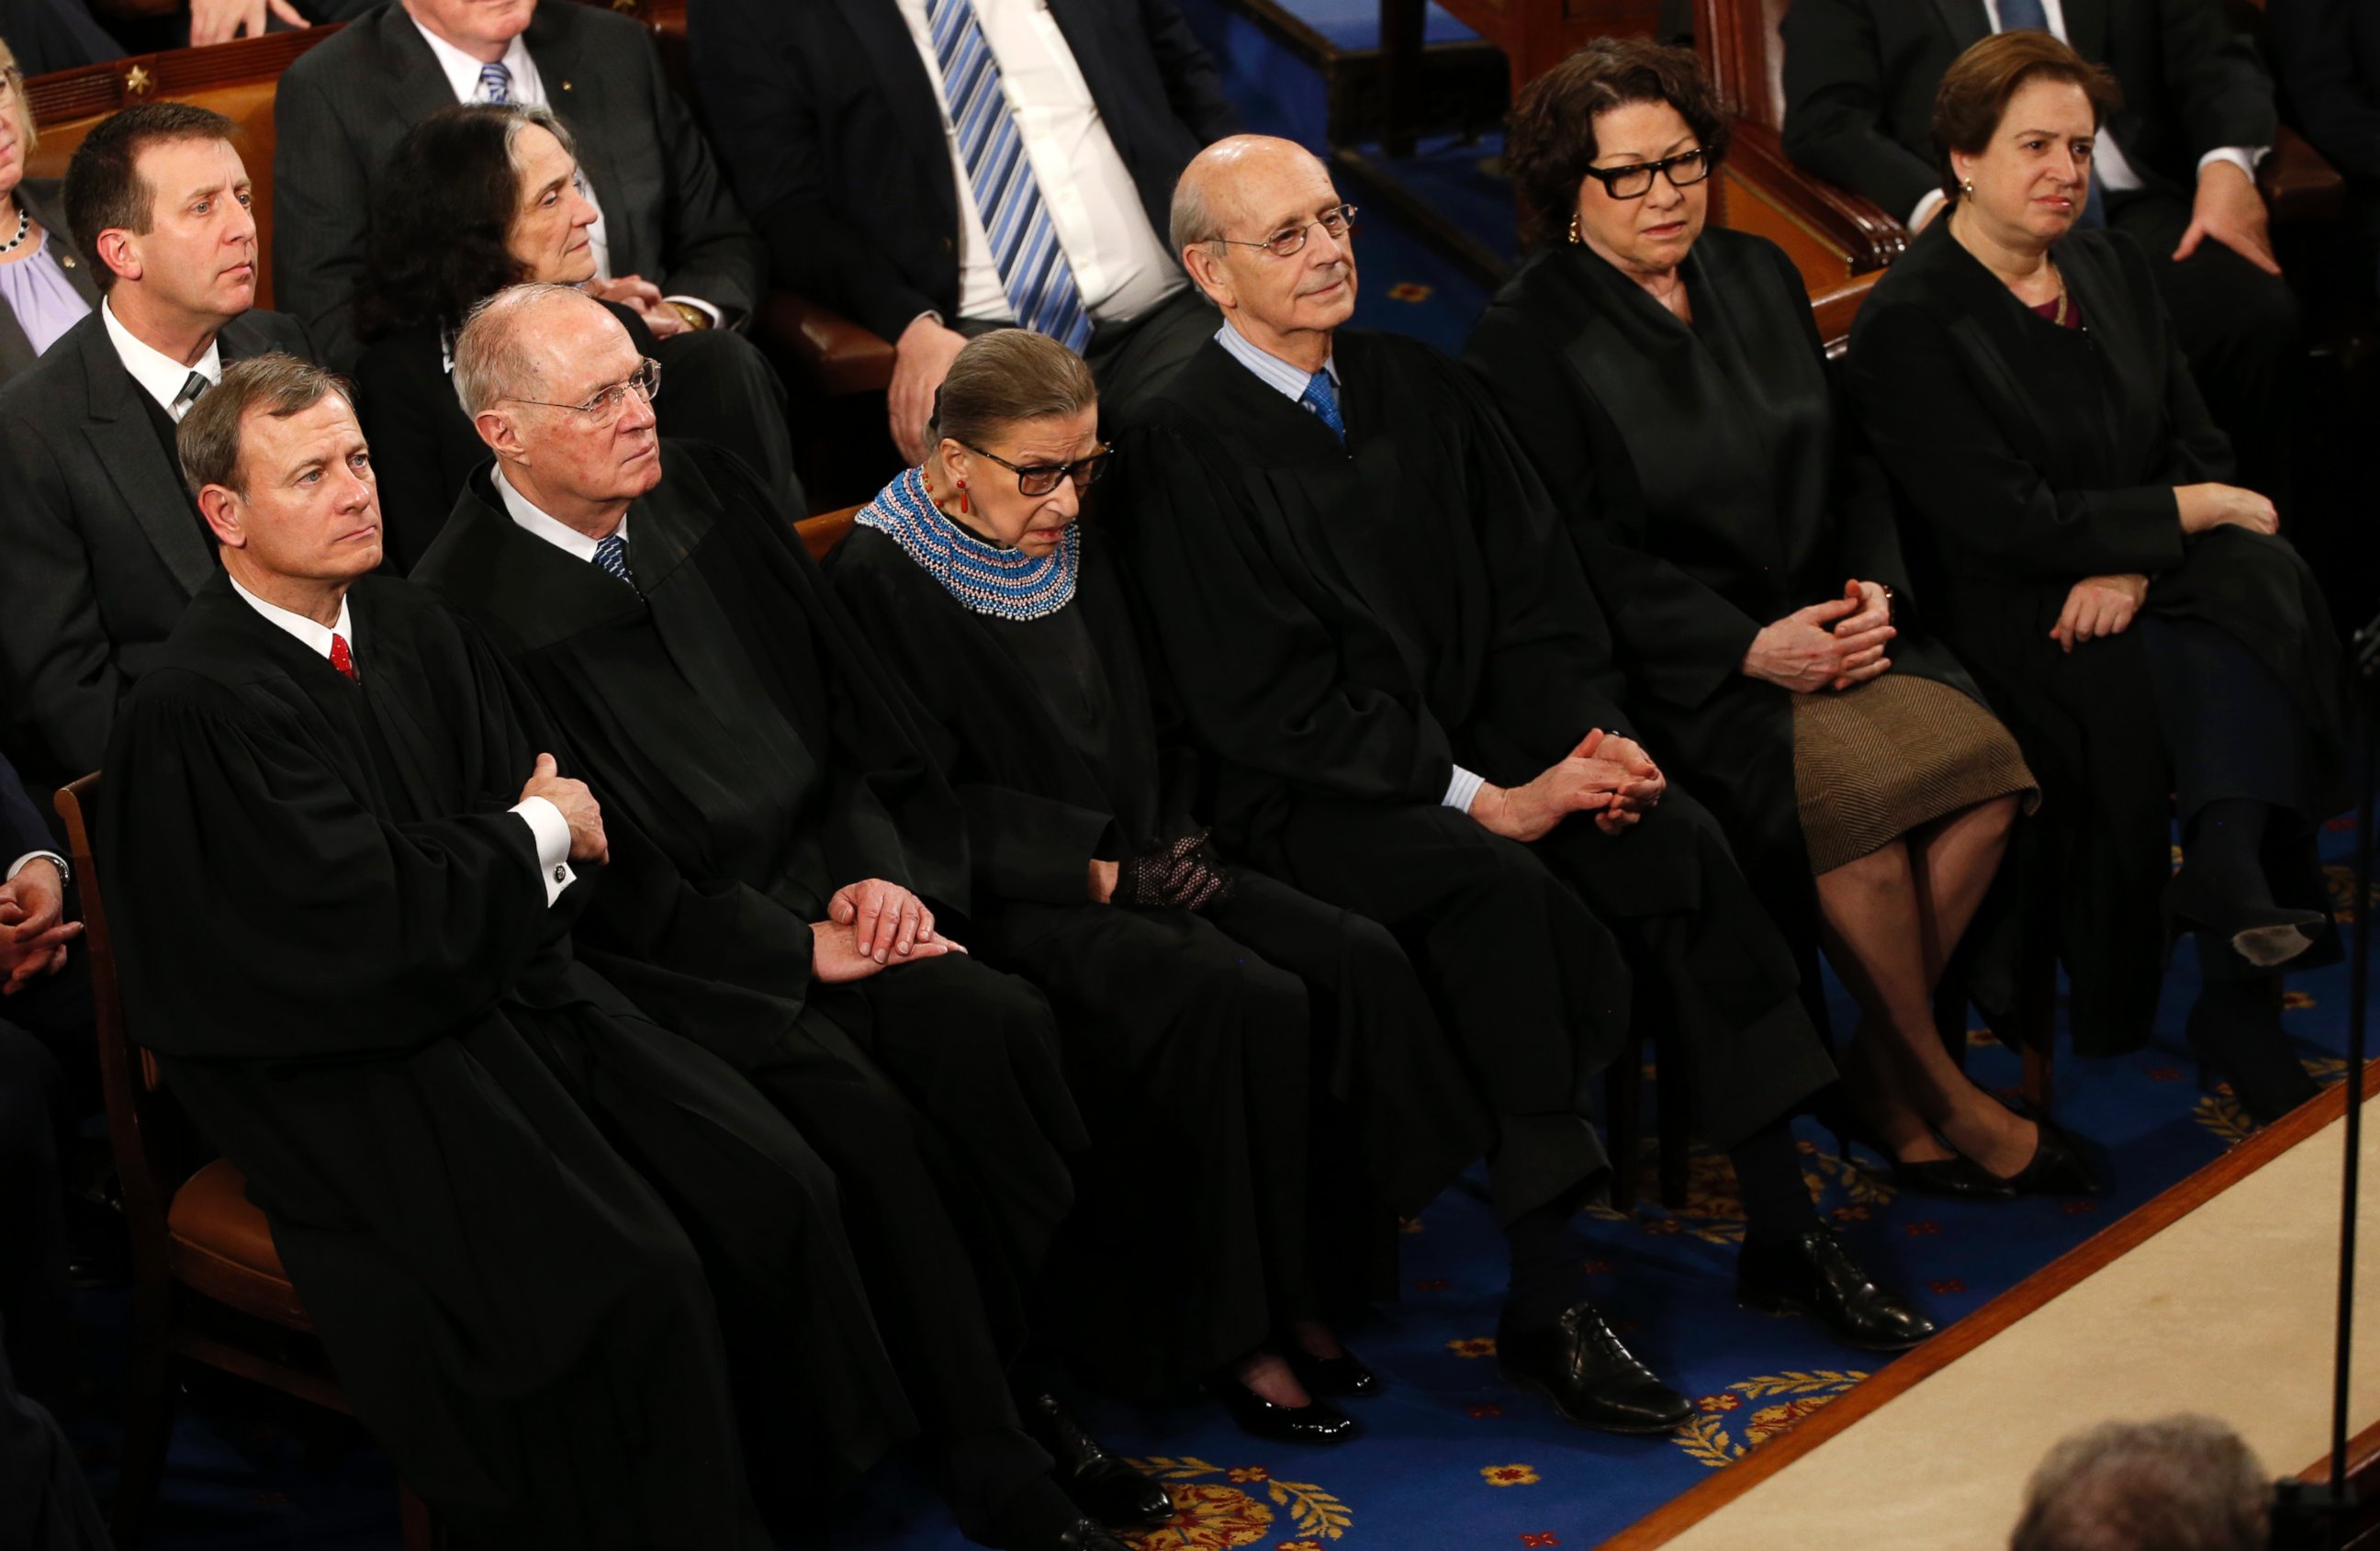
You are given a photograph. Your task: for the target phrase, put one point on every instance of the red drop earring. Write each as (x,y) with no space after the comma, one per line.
(964,508)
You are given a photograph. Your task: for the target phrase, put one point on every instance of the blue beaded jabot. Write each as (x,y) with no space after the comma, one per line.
(1005,584)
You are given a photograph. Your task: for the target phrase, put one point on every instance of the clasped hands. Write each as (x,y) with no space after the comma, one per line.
(872,926)
(1608,775)
(33,930)
(1833,645)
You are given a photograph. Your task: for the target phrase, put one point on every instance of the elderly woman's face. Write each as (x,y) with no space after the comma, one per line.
(1651,233)
(13,111)
(550,215)
(2032,177)
(1002,513)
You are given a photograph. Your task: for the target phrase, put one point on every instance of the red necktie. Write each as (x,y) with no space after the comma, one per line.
(342,658)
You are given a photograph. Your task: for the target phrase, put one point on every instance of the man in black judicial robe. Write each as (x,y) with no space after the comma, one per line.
(524,1218)
(1362,598)
(717,702)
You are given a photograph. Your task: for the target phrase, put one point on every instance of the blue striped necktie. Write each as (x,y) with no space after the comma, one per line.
(1033,267)
(612,557)
(495,83)
(2017,15)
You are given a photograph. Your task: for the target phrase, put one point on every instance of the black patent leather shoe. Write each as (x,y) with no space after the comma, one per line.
(1813,1275)
(1957,1178)
(1100,1484)
(1087,1536)
(1593,1380)
(1343,1375)
(1316,1422)
(2056,1167)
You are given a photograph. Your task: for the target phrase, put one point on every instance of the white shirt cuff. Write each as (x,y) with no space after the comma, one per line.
(718,319)
(553,832)
(1925,207)
(1463,788)
(2243,157)
(18,864)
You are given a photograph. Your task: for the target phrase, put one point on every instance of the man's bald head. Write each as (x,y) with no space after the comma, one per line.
(1203,198)
(1243,193)
(509,343)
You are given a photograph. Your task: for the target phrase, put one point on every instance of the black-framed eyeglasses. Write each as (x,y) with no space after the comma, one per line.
(1040,478)
(1339,220)
(607,403)
(1635,180)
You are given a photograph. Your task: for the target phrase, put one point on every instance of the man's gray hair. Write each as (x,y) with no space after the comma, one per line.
(207,442)
(492,358)
(1192,220)
(2178,1484)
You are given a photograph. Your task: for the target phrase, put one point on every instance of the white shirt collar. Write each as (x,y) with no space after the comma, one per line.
(159,374)
(1290,379)
(561,535)
(315,638)
(462,72)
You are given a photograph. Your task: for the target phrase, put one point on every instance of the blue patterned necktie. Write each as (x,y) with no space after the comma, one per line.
(2017,15)
(1033,267)
(1323,399)
(611,554)
(495,83)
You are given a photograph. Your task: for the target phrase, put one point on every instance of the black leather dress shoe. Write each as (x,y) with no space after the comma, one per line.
(1813,1275)
(1957,1177)
(1101,1484)
(1318,1421)
(1343,1374)
(1088,1536)
(1593,1380)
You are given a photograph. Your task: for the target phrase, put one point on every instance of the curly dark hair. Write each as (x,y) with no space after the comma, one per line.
(439,223)
(1551,142)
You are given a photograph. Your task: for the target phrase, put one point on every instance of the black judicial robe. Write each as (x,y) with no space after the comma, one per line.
(1344,624)
(1194,1101)
(729,710)
(519,1212)
(2028,456)
(1712,489)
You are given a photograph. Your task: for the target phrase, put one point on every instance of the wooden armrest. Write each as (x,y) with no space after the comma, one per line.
(824,531)
(1840,221)
(836,355)
(2299,185)
(1836,308)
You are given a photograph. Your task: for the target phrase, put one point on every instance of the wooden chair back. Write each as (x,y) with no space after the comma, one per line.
(821,533)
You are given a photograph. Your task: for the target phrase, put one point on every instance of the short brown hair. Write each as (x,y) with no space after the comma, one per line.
(1006,376)
(1551,142)
(103,188)
(1980,84)
(209,437)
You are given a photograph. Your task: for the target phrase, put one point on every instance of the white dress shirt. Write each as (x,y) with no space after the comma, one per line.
(555,531)
(2117,176)
(1289,379)
(159,374)
(1122,267)
(528,86)
(544,820)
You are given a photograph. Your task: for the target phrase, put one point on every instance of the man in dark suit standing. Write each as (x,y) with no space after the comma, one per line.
(103,545)
(2174,166)
(886,193)
(2328,55)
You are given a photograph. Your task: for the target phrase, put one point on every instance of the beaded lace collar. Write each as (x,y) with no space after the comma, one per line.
(1005,584)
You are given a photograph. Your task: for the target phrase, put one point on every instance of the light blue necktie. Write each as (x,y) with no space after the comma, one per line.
(611,554)
(1033,267)
(1323,399)
(495,83)
(2017,16)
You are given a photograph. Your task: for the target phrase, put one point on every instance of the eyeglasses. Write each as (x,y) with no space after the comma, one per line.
(1339,220)
(1635,180)
(605,407)
(1040,478)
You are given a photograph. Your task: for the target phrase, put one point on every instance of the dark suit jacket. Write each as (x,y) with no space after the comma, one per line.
(42,196)
(341,109)
(826,118)
(1860,79)
(2328,55)
(103,545)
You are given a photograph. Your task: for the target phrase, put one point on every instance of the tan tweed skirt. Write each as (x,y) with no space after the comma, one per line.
(1873,762)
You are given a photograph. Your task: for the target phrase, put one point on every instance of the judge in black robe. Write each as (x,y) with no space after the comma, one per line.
(2044,441)
(1186,1024)
(46,1504)
(1366,610)
(1668,385)
(520,1213)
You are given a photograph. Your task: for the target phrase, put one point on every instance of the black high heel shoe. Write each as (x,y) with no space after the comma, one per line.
(1956,1178)
(1316,1422)
(1344,1374)
(2056,1167)
(2265,935)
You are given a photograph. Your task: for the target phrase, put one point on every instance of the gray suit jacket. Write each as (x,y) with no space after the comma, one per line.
(341,109)
(104,546)
(43,197)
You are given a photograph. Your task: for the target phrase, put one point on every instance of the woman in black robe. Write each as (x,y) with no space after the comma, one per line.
(478,198)
(1255,1067)
(2135,619)
(1670,387)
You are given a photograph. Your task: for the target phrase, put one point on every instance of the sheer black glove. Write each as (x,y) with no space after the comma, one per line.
(1186,874)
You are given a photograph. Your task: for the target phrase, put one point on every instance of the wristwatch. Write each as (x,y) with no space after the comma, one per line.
(65,873)
(696,318)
